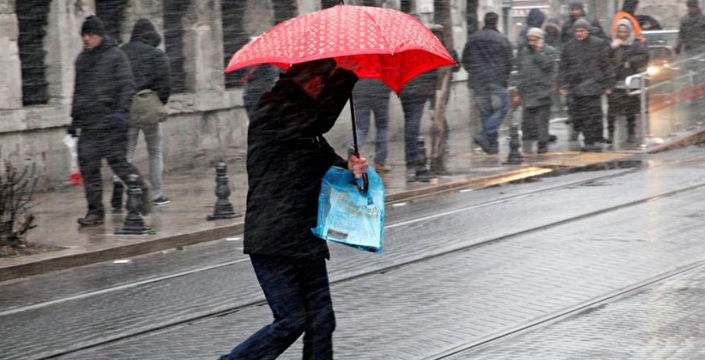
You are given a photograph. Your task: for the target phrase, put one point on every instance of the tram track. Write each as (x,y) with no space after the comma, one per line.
(463,247)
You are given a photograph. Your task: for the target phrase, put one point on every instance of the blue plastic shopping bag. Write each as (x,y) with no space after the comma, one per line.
(348,217)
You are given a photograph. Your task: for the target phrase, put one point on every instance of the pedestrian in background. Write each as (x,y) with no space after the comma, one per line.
(372,96)
(258,80)
(691,37)
(535,19)
(287,157)
(537,69)
(586,73)
(629,57)
(628,12)
(414,96)
(150,67)
(487,57)
(577,11)
(100,110)
(552,32)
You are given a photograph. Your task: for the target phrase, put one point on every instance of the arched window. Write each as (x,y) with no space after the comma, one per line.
(112,13)
(234,35)
(174,11)
(32,19)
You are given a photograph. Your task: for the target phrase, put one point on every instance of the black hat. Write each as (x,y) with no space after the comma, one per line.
(93,25)
(693,3)
(491,19)
(577,5)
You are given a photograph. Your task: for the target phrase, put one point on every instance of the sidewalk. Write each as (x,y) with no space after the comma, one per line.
(183,221)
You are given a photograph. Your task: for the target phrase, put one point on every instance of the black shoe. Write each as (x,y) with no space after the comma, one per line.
(542,148)
(592,148)
(484,144)
(161,200)
(91,220)
(552,138)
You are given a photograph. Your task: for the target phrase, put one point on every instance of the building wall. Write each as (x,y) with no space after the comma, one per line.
(206,123)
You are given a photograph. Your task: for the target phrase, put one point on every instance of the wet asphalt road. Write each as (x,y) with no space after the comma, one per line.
(545,266)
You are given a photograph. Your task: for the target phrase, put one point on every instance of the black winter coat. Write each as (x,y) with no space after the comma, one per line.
(103,89)
(585,67)
(636,54)
(150,65)
(287,157)
(487,57)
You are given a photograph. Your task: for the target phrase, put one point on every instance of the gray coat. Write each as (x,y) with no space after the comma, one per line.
(537,74)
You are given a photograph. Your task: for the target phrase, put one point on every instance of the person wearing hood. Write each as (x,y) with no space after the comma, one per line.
(150,67)
(628,11)
(586,73)
(577,11)
(629,57)
(691,37)
(535,19)
(552,30)
(99,112)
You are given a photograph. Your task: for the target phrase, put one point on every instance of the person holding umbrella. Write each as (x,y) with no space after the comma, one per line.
(287,157)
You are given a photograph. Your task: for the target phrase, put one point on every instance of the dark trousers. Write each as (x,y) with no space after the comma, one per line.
(620,103)
(587,118)
(534,123)
(413,106)
(298,294)
(92,149)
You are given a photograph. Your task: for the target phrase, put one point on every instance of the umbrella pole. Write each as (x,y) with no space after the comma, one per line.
(354,127)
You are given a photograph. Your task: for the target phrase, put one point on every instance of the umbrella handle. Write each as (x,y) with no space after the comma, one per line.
(365,179)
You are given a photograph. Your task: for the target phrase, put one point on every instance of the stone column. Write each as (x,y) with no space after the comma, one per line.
(203,46)
(63,44)
(10,66)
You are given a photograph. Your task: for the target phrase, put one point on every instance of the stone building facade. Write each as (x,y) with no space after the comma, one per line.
(207,121)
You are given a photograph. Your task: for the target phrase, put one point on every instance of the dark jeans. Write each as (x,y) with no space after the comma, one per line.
(364,107)
(587,118)
(298,294)
(413,106)
(494,105)
(534,123)
(93,147)
(620,103)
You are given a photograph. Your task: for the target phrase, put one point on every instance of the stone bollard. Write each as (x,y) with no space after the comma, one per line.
(134,221)
(423,174)
(514,157)
(223,207)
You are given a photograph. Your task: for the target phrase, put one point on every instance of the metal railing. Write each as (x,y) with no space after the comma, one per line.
(673,93)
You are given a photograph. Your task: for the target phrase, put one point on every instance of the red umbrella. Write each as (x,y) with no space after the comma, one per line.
(375,43)
(384,44)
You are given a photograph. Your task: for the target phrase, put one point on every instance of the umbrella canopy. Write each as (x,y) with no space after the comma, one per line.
(375,43)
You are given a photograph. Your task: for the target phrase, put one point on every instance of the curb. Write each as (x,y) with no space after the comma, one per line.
(692,137)
(71,260)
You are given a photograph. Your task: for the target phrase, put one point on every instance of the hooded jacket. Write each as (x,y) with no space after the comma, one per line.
(553,33)
(150,65)
(691,37)
(585,68)
(487,57)
(287,158)
(535,19)
(632,52)
(103,89)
